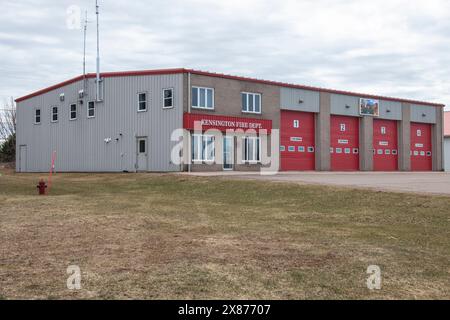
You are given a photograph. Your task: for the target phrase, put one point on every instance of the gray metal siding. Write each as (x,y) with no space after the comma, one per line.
(423,114)
(290,100)
(447,154)
(390,110)
(81,145)
(344,105)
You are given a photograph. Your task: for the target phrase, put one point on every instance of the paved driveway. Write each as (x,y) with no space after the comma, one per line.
(416,182)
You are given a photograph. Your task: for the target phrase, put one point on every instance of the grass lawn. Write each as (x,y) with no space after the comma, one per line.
(153,236)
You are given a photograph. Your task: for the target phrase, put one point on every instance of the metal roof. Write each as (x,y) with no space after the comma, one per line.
(224,76)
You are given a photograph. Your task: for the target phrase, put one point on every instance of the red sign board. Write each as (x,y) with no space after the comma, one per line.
(223,123)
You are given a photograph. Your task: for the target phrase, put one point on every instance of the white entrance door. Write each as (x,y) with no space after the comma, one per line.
(23,159)
(142,154)
(228,155)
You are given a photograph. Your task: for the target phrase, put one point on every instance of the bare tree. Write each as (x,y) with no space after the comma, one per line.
(7,120)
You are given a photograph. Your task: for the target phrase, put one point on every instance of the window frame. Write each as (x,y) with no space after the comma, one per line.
(256,150)
(203,138)
(139,101)
(198,106)
(164,98)
(140,145)
(40,116)
(70,111)
(87,108)
(52,114)
(254,95)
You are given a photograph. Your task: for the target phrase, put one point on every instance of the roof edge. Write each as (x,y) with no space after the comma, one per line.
(225,76)
(103,75)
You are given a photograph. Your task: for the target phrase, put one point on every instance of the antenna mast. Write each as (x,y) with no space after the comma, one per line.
(98,55)
(84,50)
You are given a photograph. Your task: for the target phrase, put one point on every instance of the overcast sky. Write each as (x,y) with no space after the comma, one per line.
(390,47)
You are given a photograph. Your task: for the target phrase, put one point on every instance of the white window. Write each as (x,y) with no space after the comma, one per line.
(37,116)
(282,148)
(419,133)
(54,114)
(251,102)
(343,127)
(291,149)
(251,150)
(142,101)
(311,149)
(203,148)
(168,98)
(91,109)
(73,111)
(296,124)
(202,98)
(301,149)
(383,130)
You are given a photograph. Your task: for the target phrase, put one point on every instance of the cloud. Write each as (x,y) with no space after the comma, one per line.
(397,47)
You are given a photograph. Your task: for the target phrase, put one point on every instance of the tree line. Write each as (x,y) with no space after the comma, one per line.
(8,131)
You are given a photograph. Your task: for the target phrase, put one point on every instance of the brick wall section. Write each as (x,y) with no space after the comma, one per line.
(228,98)
(404,140)
(228,102)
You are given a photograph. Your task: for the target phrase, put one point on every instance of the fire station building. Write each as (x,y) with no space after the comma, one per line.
(189,120)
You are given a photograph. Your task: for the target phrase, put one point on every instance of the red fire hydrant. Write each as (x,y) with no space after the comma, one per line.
(41,187)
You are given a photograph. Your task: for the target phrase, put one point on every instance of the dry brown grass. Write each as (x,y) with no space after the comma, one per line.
(166,236)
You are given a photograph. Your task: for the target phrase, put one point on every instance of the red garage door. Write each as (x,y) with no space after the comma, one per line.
(344,143)
(385,145)
(297,141)
(421,154)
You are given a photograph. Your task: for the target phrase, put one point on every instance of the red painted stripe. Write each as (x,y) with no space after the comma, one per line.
(225,123)
(224,76)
